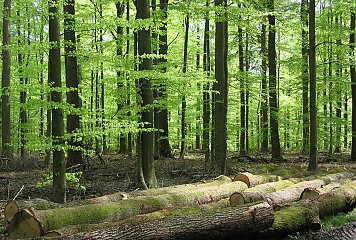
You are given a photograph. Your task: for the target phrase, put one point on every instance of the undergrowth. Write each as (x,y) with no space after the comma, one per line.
(339,220)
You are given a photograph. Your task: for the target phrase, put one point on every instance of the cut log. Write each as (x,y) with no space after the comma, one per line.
(254,180)
(314,193)
(13,206)
(215,224)
(93,213)
(337,200)
(158,191)
(288,191)
(298,217)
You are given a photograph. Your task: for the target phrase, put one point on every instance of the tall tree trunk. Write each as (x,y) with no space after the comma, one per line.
(206,88)
(242,142)
(184,102)
(197,118)
(353,83)
(23,93)
(54,74)
(102,84)
(313,164)
(330,74)
(305,72)
(264,104)
(6,75)
(72,84)
(144,48)
(220,115)
(276,147)
(165,149)
(128,103)
(338,91)
(120,84)
(247,69)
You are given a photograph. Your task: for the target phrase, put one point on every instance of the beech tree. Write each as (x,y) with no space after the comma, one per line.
(54,79)
(5,83)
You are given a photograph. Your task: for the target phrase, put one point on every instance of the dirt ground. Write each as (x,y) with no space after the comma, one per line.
(117,173)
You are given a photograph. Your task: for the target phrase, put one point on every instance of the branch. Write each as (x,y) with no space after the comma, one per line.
(173,40)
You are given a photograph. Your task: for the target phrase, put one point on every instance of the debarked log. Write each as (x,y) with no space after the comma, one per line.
(194,224)
(41,221)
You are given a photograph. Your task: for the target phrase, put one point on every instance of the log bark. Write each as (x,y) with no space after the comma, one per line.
(315,193)
(337,200)
(215,224)
(286,193)
(297,217)
(218,181)
(53,219)
(254,180)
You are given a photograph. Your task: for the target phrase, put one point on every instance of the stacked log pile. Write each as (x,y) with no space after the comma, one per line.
(247,205)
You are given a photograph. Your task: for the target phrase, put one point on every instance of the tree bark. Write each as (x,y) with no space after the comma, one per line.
(264,103)
(184,102)
(225,223)
(165,149)
(287,193)
(273,104)
(144,48)
(353,84)
(54,74)
(46,220)
(305,77)
(313,164)
(220,115)
(5,84)
(254,180)
(72,83)
(206,88)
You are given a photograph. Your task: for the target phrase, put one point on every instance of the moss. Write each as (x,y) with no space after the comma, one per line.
(289,218)
(339,220)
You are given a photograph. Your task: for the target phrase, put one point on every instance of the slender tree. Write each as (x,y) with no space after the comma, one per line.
(145,63)
(5,84)
(165,149)
(206,87)
(353,83)
(273,104)
(305,77)
(72,84)
(220,115)
(264,99)
(242,141)
(184,102)
(312,71)
(54,74)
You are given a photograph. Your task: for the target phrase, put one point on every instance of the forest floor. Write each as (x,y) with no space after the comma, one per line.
(117,173)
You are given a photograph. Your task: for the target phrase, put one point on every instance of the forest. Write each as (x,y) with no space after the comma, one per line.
(129,104)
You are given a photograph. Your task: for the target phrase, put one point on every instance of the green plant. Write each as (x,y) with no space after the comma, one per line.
(73,178)
(339,220)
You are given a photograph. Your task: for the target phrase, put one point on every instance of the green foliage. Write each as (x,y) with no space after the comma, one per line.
(2,229)
(73,178)
(339,220)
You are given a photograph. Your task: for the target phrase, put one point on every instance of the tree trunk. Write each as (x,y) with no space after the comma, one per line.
(72,83)
(54,74)
(264,103)
(6,76)
(198,103)
(206,88)
(353,84)
(276,147)
(254,180)
(144,47)
(46,220)
(313,164)
(223,223)
(184,102)
(220,115)
(165,149)
(305,77)
(242,142)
